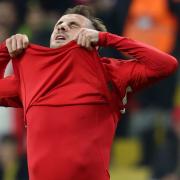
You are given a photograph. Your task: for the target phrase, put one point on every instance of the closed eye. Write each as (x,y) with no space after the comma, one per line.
(74,25)
(70,24)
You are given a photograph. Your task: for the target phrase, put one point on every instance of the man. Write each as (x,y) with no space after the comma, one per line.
(71,97)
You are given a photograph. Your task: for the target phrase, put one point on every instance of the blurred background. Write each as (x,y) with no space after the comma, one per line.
(147,141)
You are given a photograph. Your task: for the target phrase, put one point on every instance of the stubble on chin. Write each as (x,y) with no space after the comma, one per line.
(55,45)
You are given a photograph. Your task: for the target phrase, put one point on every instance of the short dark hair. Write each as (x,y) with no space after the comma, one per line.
(87,12)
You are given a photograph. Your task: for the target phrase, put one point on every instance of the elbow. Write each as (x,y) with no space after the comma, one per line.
(172,65)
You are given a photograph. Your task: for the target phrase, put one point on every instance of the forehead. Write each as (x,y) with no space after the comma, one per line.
(82,20)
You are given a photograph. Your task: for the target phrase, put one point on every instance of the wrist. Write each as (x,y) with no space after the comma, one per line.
(102,38)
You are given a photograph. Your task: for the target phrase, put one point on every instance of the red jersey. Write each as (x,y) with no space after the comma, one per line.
(72,100)
(56,72)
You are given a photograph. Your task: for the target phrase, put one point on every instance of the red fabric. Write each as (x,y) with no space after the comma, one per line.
(8,86)
(69,142)
(71,99)
(147,66)
(19,130)
(63,76)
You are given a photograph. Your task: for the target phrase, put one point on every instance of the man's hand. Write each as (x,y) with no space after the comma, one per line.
(87,38)
(16,43)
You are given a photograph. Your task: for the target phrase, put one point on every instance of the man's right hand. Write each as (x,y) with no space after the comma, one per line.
(16,44)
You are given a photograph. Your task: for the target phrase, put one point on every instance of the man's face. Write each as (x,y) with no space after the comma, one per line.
(67,28)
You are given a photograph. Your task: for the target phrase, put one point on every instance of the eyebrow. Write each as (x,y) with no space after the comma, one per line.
(71,22)
(58,23)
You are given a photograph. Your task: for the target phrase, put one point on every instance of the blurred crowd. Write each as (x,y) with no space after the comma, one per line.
(154,114)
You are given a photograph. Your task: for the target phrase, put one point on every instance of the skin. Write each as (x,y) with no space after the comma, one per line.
(69,27)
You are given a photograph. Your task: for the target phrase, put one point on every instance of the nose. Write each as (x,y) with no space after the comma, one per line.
(63,27)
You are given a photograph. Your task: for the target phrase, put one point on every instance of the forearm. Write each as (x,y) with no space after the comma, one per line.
(9,87)
(9,92)
(153,59)
(4,58)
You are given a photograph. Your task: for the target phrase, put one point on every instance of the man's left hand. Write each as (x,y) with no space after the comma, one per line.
(87,38)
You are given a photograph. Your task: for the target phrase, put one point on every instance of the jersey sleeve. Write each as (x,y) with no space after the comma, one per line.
(4,59)
(148,64)
(9,86)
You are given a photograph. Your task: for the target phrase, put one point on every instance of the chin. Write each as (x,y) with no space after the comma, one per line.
(57,45)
